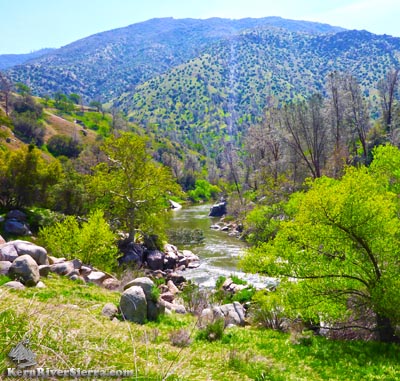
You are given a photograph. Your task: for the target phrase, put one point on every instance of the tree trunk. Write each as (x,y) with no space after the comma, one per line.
(385,330)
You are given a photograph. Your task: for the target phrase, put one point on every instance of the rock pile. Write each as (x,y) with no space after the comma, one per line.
(26,263)
(169,259)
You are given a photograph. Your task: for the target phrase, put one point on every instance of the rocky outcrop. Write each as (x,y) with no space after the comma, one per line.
(155,260)
(218,210)
(174,205)
(26,270)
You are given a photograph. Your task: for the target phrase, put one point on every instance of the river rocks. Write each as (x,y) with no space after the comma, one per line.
(172,307)
(15,285)
(233,314)
(111,284)
(44,270)
(4,267)
(218,210)
(132,253)
(8,252)
(14,227)
(110,310)
(96,277)
(38,253)
(133,305)
(232,287)
(155,260)
(25,269)
(174,205)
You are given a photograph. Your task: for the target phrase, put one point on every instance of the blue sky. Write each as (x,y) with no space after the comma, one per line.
(28,25)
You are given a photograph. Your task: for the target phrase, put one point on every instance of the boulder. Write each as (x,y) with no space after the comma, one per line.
(133,305)
(38,253)
(26,270)
(16,215)
(85,270)
(133,253)
(8,252)
(233,314)
(2,240)
(15,285)
(155,260)
(172,288)
(62,268)
(44,270)
(176,278)
(177,308)
(4,267)
(218,210)
(111,284)
(154,310)
(167,296)
(97,277)
(145,283)
(15,227)
(175,205)
(110,310)
(40,284)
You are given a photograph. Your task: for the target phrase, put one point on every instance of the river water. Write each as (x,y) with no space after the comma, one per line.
(219,253)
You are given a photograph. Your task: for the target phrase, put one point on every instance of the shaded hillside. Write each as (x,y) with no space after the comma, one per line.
(107,64)
(10,60)
(226,88)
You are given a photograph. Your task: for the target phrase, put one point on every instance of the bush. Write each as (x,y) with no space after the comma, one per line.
(92,242)
(62,145)
(213,331)
(203,191)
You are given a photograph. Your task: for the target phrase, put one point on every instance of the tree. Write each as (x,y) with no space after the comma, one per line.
(388,89)
(342,246)
(26,178)
(131,187)
(63,145)
(308,134)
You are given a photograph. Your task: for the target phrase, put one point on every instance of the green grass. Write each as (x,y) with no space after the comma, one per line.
(66,330)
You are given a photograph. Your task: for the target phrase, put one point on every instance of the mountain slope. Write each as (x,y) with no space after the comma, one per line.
(226,88)
(10,60)
(107,64)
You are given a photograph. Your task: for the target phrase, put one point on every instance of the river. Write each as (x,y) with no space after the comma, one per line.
(219,253)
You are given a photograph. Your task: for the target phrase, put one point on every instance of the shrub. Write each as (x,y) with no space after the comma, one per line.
(92,242)
(212,331)
(203,191)
(62,145)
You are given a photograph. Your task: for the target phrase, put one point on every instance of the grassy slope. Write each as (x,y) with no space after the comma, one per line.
(67,330)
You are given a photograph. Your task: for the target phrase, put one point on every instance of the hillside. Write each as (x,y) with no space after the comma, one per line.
(10,60)
(225,89)
(107,64)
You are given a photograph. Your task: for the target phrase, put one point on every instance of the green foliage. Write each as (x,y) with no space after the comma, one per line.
(342,245)
(26,178)
(185,236)
(63,145)
(93,242)
(204,191)
(155,293)
(212,331)
(131,187)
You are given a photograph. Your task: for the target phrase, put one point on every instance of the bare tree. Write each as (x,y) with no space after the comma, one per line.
(357,115)
(388,89)
(308,132)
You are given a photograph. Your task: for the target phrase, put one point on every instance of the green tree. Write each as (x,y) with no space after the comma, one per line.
(342,248)
(131,187)
(63,145)
(26,178)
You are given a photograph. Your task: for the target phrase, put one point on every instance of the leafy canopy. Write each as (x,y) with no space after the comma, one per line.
(131,187)
(341,246)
